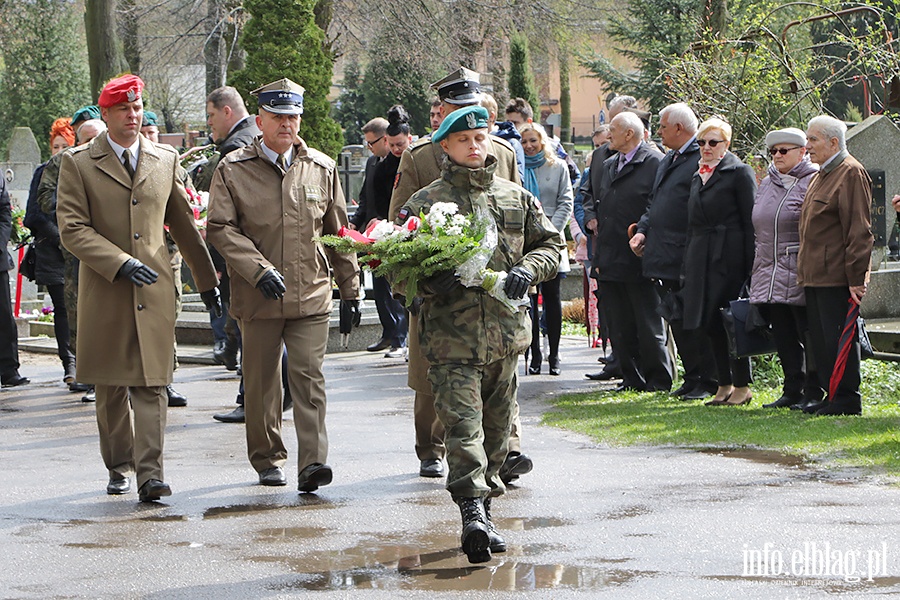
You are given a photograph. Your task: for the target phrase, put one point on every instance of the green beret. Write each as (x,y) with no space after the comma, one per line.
(149,119)
(85,113)
(464,119)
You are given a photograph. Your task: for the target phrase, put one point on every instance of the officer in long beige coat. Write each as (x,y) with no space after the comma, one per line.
(115,196)
(268,201)
(419,166)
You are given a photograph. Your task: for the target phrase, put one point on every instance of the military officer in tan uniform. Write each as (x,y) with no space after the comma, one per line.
(115,196)
(268,201)
(419,166)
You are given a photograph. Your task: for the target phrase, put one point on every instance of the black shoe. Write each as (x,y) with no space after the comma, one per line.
(475,538)
(175,399)
(272,476)
(79,387)
(235,416)
(381,344)
(14,380)
(624,387)
(313,476)
(604,375)
(554,365)
(226,356)
(431,467)
(840,407)
(534,369)
(69,372)
(516,464)
(784,402)
(118,486)
(498,544)
(697,393)
(686,387)
(91,396)
(153,489)
(286,403)
(812,408)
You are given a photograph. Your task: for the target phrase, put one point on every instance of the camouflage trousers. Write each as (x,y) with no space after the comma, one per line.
(475,405)
(70,293)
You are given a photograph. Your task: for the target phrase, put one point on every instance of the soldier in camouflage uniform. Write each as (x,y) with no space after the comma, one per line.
(470,339)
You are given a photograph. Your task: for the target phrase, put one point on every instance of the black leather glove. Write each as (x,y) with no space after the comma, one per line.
(416,306)
(271,285)
(517,282)
(137,272)
(443,282)
(212,301)
(355,314)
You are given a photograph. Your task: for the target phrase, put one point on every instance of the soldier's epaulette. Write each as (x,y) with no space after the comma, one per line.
(500,141)
(422,143)
(80,148)
(320,158)
(165,147)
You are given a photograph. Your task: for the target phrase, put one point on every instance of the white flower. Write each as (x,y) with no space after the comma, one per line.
(382,231)
(204,198)
(444,208)
(453,230)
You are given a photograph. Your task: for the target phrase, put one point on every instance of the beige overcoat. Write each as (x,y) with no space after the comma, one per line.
(126,333)
(259,219)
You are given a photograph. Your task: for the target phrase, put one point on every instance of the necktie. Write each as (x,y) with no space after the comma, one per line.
(282,163)
(126,157)
(622,162)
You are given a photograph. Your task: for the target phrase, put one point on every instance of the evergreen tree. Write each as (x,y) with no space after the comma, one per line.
(351,111)
(44,76)
(281,39)
(521,78)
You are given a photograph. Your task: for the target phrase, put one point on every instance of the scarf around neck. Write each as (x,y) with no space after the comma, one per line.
(531,164)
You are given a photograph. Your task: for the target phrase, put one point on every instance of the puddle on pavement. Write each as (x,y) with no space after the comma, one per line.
(163,518)
(626,512)
(769,457)
(530,523)
(92,545)
(241,510)
(289,534)
(9,409)
(191,545)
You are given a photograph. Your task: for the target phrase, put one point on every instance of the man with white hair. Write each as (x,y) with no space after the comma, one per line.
(620,192)
(833,262)
(661,237)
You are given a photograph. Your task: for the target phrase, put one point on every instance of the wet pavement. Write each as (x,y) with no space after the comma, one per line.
(588,522)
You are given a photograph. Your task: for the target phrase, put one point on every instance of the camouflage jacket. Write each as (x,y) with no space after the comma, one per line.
(468,326)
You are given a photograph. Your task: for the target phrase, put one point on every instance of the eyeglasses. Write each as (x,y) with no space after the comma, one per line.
(712,143)
(371,144)
(782,151)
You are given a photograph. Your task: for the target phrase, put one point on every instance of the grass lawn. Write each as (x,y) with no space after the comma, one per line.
(871,441)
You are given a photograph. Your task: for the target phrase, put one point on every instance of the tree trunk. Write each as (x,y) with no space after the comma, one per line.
(131,45)
(214,52)
(105,56)
(565,97)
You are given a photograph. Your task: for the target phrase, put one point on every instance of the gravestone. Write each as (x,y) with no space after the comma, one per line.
(24,158)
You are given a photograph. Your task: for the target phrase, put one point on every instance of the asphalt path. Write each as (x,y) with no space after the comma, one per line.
(589,522)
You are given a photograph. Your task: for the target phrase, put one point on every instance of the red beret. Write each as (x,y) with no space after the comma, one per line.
(126,88)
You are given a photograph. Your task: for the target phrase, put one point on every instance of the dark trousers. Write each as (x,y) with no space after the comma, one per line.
(693,347)
(9,334)
(638,335)
(791,331)
(552,318)
(729,371)
(826,311)
(284,381)
(61,323)
(391,313)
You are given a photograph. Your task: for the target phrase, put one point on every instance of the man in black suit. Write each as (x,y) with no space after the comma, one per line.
(9,335)
(621,191)
(660,239)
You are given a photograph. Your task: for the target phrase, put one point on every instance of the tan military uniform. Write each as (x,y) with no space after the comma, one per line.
(260,218)
(127,332)
(419,166)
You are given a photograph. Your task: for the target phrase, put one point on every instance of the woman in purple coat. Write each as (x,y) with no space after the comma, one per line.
(773,284)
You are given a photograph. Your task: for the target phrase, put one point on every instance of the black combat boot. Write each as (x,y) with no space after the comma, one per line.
(498,544)
(475,538)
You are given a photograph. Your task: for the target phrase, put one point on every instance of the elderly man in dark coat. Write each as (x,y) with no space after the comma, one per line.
(660,239)
(625,184)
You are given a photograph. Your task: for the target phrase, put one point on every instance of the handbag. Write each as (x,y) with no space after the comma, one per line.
(747,332)
(865,346)
(29,262)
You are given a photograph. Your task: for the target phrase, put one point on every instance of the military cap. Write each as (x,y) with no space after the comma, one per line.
(462,87)
(282,97)
(464,119)
(150,118)
(85,113)
(126,88)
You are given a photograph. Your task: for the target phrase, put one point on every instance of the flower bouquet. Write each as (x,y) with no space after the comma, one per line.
(442,240)
(200,205)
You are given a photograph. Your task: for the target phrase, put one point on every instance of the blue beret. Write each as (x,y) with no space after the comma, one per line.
(463,119)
